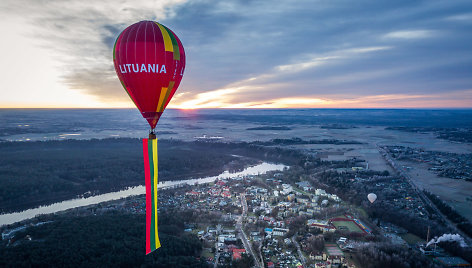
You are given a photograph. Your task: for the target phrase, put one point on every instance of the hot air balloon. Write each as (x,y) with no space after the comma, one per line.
(372,197)
(150,62)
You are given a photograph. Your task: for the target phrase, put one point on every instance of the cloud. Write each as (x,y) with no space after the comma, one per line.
(466,17)
(219,99)
(81,37)
(314,61)
(255,53)
(411,34)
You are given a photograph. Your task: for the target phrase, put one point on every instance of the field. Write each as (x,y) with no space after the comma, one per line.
(347,225)
(411,238)
(333,250)
(455,193)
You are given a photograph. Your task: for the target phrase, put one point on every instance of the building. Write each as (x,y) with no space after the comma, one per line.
(237,252)
(303,200)
(306,186)
(324,226)
(279,231)
(286,189)
(342,240)
(320,192)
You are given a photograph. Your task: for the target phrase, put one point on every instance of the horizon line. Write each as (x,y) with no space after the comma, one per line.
(248,108)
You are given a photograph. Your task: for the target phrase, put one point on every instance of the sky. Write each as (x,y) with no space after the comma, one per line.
(245,54)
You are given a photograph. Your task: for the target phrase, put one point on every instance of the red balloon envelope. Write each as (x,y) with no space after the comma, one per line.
(150,61)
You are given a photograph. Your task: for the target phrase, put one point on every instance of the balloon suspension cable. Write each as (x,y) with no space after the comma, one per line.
(152,134)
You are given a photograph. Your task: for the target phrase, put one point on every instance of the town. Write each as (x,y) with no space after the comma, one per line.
(318,216)
(449,165)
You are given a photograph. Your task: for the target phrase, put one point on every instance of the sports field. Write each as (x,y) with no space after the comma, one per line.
(347,226)
(333,250)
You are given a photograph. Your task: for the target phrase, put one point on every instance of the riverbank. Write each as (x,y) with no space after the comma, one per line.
(10,218)
(42,173)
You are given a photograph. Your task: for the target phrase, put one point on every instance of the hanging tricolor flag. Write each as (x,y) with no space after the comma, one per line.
(150,174)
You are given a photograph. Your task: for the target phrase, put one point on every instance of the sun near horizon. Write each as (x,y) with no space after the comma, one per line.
(386,61)
(83,101)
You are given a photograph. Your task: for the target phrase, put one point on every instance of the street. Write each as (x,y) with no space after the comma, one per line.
(300,253)
(242,234)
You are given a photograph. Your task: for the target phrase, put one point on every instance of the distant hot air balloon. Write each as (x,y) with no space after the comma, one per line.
(150,62)
(372,197)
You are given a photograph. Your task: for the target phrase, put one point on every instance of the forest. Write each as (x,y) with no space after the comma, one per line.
(451,213)
(387,255)
(111,240)
(39,173)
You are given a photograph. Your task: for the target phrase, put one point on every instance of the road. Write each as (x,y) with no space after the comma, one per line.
(299,250)
(217,256)
(242,234)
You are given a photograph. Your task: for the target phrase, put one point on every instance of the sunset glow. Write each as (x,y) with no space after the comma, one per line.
(238,60)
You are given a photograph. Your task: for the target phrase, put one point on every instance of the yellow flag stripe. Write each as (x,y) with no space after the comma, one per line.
(167,41)
(154,150)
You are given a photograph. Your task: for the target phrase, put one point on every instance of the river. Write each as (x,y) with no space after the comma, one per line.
(131,191)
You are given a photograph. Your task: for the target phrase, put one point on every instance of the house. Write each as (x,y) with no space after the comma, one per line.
(220,183)
(286,189)
(320,192)
(303,200)
(316,256)
(305,213)
(226,194)
(237,253)
(192,193)
(306,186)
(324,226)
(279,231)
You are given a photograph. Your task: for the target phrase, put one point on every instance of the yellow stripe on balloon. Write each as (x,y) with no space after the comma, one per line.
(165,92)
(167,41)
(164,101)
(161,98)
(154,160)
